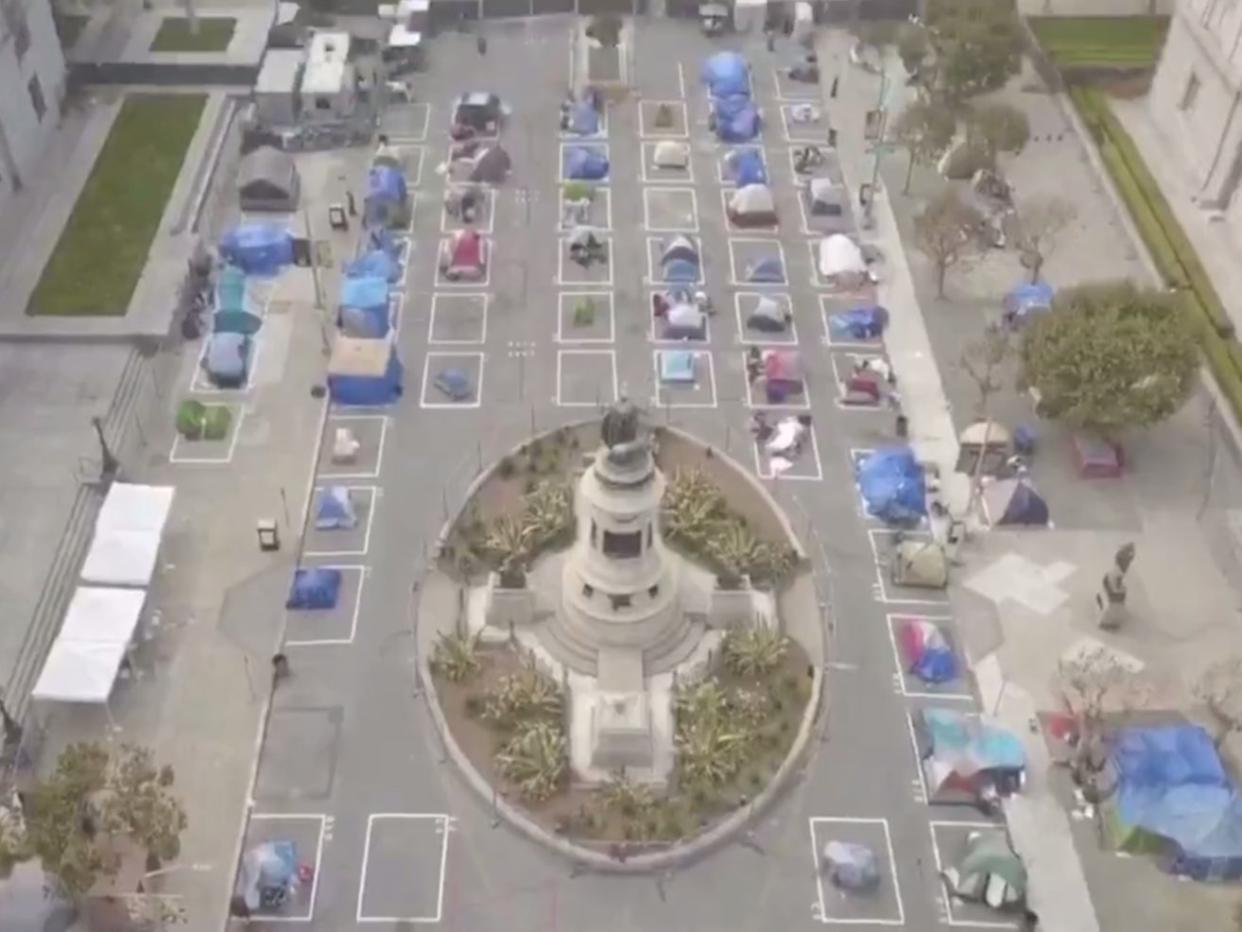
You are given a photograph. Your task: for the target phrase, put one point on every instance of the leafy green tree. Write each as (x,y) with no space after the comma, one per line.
(947,233)
(1000,128)
(925,130)
(93,799)
(913,44)
(978,45)
(1109,357)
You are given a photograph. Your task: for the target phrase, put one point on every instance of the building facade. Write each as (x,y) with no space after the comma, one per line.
(32,83)
(1196,97)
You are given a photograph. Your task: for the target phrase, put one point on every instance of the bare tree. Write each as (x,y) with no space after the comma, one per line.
(925,130)
(1220,690)
(1095,684)
(947,233)
(1037,225)
(982,361)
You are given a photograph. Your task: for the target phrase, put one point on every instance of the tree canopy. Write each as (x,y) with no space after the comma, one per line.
(94,798)
(924,129)
(978,44)
(1108,357)
(1000,127)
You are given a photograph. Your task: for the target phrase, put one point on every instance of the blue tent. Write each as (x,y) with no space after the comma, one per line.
(737,119)
(364,307)
(1172,786)
(892,485)
(226,359)
(364,372)
(677,366)
(334,510)
(1015,501)
(455,383)
(927,651)
(386,184)
(585,163)
(767,271)
(268,871)
(583,119)
(382,238)
(1028,298)
(860,323)
(681,270)
(317,588)
(257,248)
(374,264)
(232,313)
(747,167)
(726,74)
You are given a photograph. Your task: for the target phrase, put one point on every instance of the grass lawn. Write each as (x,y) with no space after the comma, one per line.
(103,248)
(214,35)
(1127,41)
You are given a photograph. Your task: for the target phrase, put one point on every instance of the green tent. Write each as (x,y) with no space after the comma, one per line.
(988,871)
(1132,839)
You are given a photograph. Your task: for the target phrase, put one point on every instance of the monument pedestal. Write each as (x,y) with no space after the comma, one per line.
(621,734)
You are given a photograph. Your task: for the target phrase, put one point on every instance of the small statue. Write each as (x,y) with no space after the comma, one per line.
(620,424)
(1112,600)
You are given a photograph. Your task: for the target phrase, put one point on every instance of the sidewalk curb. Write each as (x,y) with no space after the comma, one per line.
(678,855)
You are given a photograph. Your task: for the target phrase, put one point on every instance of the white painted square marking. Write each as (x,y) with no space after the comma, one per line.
(428,379)
(950,916)
(794,91)
(646,124)
(372,498)
(759,232)
(412,157)
(193,452)
(813,132)
(800,402)
(600,194)
(841,375)
(592,356)
(359,573)
(653,330)
(442,251)
(396,309)
(876,538)
(826,310)
(200,383)
(322,821)
(564,264)
(921,783)
(650,173)
(664,394)
(745,302)
(348,471)
(764,471)
(820,824)
(722,176)
(449,223)
(443,305)
(600,135)
(599,147)
(444,826)
(419,134)
(764,248)
(688,210)
(566,301)
(940,621)
(655,247)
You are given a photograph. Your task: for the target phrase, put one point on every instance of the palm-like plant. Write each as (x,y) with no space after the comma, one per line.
(754,652)
(733,546)
(752,706)
(702,702)
(456,656)
(508,541)
(549,514)
(709,753)
(526,696)
(535,760)
(626,797)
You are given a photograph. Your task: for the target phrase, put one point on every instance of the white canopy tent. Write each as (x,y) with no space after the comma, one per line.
(99,614)
(80,671)
(127,535)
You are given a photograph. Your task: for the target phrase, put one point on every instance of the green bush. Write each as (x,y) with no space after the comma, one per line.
(197,421)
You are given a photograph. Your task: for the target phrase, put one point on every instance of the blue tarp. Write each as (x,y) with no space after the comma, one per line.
(1171,783)
(860,323)
(892,485)
(1028,298)
(257,248)
(583,119)
(677,366)
(585,163)
(726,74)
(928,652)
(737,120)
(748,168)
(267,869)
(334,510)
(1026,506)
(368,391)
(314,589)
(376,263)
(386,184)
(455,383)
(970,745)
(364,307)
(681,270)
(226,359)
(232,314)
(382,238)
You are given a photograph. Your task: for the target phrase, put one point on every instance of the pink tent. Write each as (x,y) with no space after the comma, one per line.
(464,256)
(783,366)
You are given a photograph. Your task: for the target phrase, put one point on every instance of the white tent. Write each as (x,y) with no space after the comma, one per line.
(840,256)
(80,671)
(753,205)
(127,535)
(670,154)
(101,614)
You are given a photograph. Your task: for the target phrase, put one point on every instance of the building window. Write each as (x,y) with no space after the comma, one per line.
(36,98)
(588,590)
(654,591)
(15,21)
(620,601)
(623,546)
(1190,93)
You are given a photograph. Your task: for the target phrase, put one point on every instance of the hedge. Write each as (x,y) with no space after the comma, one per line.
(1171,250)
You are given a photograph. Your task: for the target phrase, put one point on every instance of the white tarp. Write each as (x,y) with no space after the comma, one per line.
(80,671)
(840,255)
(127,535)
(99,614)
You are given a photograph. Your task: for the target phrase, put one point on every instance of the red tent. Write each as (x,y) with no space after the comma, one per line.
(782,366)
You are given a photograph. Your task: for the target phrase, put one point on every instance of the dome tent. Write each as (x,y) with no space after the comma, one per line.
(726,74)
(752,206)
(668,153)
(745,166)
(585,163)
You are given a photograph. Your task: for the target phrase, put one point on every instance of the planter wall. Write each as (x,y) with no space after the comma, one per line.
(508,606)
(731,608)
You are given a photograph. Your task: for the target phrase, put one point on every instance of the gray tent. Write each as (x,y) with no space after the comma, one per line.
(752,206)
(268,180)
(670,154)
(491,165)
(827,198)
(988,872)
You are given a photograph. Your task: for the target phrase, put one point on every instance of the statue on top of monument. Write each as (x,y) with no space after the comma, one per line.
(621,432)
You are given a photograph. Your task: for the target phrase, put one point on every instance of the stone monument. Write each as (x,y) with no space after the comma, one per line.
(1110,602)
